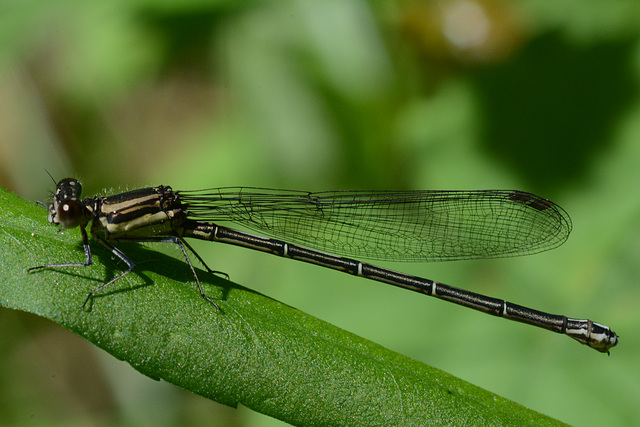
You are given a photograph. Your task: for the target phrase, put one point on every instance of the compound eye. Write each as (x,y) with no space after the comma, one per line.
(69,213)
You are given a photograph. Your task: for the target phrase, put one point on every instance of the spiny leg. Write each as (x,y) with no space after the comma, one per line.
(87,253)
(117,252)
(204,264)
(181,244)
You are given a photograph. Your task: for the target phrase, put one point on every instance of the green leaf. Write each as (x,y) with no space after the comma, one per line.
(256,351)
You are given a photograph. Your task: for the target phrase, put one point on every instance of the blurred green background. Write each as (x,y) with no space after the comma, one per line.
(452,94)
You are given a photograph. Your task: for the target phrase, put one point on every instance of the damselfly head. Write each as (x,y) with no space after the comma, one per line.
(66,209)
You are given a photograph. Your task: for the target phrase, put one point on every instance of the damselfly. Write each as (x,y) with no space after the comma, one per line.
(326,227)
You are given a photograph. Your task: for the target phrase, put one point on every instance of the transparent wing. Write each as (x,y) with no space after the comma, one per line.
(397,226)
